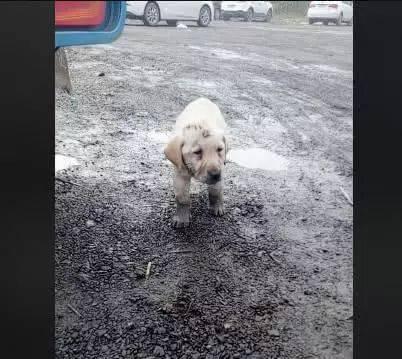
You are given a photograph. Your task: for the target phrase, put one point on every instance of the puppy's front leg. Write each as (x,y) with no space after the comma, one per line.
(182,194)
(215,192)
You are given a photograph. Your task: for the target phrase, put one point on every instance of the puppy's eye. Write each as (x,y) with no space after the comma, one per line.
(198,152)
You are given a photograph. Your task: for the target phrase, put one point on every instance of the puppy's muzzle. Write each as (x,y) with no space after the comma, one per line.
(213,176)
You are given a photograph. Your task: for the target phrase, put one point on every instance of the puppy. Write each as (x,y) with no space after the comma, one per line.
(198,150)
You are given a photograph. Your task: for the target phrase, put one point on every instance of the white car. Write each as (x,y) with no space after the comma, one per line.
(330,11)
(151,12)
(247,10)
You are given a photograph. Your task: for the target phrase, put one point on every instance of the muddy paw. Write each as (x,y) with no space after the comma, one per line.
(217,210)
(179,222)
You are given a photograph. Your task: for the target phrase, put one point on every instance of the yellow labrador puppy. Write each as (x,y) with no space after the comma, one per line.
(198,150)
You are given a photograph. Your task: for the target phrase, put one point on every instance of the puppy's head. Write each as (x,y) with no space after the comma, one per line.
(199,151)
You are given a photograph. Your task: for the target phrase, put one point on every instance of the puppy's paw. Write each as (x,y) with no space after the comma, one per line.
(217,210)
(181,222)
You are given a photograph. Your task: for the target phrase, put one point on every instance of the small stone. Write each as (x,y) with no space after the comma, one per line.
(161,330)
(90,223)
(159,351)
(83,277)
(260,254)
(308,292)
(273,333)
(101,332)
(227,325)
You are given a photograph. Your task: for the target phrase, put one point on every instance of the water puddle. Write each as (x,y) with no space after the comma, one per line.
(64,162)
(228,55)
(258,158)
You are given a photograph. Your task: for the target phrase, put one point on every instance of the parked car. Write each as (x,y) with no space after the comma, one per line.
(84,23)
(330,11)
(152,12)
(88,22)
(247,10)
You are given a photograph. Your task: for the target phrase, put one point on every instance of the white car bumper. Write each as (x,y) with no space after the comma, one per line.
(325,13)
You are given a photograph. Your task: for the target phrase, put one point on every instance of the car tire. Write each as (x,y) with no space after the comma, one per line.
(248,17)
(339,20)
(152,14)
(171,22)
(205,16)
(268,17)
(311,21)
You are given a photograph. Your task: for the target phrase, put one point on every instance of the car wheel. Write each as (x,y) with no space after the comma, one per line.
(339,20)
(171,22)
(152,14)
(205,16)
(268,17)
(311,21)
(249,15)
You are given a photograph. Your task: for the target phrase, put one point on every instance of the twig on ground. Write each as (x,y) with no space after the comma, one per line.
(242,236)
(148,272)
(180,251)
(74,310)
(189,306)
(346,196)
(67,182)
(273,258)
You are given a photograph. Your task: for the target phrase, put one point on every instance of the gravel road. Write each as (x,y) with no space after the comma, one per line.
(270,279)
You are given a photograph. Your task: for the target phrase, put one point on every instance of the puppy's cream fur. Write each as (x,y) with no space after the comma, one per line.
(198,150)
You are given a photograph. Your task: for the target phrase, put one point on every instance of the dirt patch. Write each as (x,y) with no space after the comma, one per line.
(270,279)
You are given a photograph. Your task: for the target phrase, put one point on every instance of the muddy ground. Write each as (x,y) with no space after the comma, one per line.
(270,279)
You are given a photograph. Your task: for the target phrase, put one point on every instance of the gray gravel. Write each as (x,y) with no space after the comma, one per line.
(270,279)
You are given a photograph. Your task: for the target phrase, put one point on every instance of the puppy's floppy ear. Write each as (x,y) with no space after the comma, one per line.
(173,151)
(226,147)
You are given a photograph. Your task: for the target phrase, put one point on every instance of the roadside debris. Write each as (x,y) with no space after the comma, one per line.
(182,26)
(62,74)
(346,196)
(148,272)
(74,310)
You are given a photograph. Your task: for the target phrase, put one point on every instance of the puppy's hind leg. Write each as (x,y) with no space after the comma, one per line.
(215,192)
(182,194)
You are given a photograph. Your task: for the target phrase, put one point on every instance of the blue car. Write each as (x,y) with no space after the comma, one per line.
(84,23)
(88,22)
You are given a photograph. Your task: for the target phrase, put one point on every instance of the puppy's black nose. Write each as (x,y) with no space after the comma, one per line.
(214,176)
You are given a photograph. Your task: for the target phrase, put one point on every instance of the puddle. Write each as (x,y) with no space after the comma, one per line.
(228,55)
(64,162)
(258,158)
